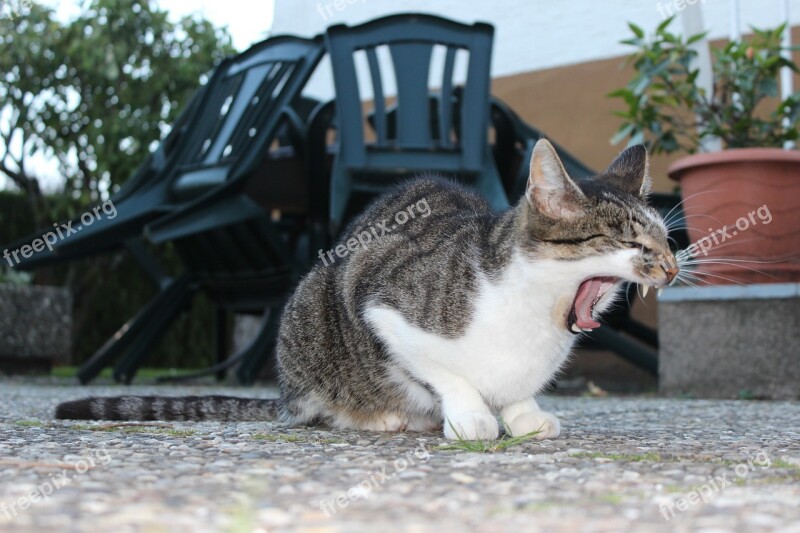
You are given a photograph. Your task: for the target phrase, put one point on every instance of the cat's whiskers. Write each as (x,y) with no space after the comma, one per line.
(672,225)
(686,276)
(679,204)
(730,263)
(673,241)
(717,276)
(691,281)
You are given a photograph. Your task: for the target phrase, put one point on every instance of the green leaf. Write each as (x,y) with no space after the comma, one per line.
(661,27)
(697,37)
(618,93)
(663,91)
(639,32)
(622,133)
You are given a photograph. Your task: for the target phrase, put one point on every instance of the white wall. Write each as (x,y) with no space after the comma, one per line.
(529,34)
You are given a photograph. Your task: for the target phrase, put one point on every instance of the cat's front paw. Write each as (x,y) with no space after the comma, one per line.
(471,425)
(546,425)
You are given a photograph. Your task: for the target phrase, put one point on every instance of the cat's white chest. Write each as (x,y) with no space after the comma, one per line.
(511,348)
(515,343)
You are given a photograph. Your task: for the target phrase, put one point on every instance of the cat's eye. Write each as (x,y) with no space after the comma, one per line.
(632,244)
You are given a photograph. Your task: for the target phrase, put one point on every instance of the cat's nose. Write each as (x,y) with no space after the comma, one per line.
(671,272)
(670,267)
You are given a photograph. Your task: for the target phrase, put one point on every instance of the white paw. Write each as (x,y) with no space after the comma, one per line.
(387,422)
(471,425)
(547,425)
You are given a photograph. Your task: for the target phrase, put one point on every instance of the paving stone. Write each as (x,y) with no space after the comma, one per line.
(621,464)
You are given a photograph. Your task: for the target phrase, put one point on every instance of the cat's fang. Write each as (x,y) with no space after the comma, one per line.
(576,328)
(658,293)
(645,290)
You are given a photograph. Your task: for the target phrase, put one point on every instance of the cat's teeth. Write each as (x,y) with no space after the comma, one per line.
(645,289)
(576,328)
(586,330)
(660,291)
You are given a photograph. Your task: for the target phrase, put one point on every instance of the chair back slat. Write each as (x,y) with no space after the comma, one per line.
(213,119)
(242,113)
(411,40)
(379,98)
(446,100)
(412,63)
(233,113)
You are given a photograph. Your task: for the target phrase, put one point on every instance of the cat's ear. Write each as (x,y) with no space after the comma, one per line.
(629,171)
(550,190)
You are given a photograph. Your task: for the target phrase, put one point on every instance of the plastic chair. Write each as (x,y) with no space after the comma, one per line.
(369,167)
(228,243)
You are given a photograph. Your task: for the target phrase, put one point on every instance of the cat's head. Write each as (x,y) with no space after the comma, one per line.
(599,230)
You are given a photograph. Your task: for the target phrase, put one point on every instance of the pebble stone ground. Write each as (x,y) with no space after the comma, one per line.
(621,464)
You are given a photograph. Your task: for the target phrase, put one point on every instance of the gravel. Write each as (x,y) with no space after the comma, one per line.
(621,464)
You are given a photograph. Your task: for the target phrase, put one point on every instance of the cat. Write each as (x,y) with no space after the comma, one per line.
(453,316)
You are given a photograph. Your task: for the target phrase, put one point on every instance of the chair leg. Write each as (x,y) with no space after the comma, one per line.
(491,186)
(221,339)
(146,260)
(260,349)
(130,331)
(640,331)
(631,351)
(319,239)
(340,191)
(182,291)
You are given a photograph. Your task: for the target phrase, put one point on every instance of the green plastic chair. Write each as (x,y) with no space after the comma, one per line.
(248,107)
(363,167)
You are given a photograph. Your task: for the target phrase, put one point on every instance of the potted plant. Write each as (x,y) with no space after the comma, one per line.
(731,196)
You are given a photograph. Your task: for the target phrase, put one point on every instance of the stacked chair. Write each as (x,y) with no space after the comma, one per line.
(199,188)
(247,186)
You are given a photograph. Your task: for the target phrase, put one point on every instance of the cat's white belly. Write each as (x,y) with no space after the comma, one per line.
(513,346)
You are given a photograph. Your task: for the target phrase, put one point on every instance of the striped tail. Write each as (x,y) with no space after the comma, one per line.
(222,408)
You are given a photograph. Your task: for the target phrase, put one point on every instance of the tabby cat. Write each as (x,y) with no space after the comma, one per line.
(453,314)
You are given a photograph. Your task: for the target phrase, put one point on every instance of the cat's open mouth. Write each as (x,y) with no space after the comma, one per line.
(590,292)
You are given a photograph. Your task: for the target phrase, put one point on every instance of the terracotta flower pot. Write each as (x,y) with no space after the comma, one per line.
(743,205)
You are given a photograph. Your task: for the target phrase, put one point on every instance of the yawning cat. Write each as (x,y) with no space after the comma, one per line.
(449,318)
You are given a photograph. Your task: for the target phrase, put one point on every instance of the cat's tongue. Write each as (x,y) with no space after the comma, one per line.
(589,292)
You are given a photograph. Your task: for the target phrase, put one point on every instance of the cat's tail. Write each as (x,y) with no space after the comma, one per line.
(223,408)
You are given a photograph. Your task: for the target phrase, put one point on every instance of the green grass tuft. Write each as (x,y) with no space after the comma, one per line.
(292,437)
(135,429)
(487,446)
(634,458)
(29,423)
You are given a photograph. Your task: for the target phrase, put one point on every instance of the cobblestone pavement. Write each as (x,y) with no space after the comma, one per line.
(622,464)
